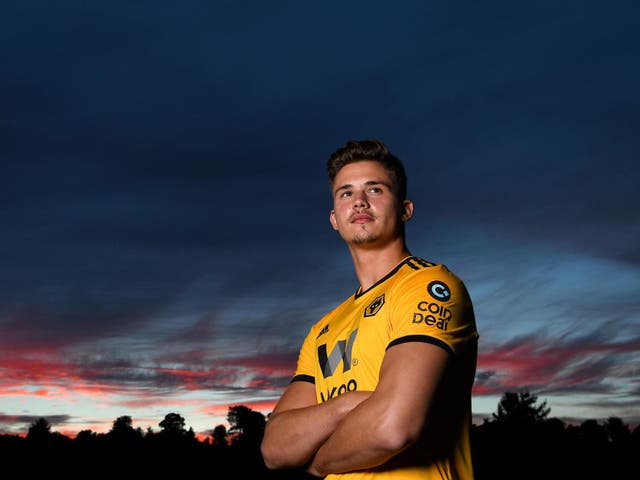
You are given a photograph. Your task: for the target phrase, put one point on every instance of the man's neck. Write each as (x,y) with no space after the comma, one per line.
(372,264)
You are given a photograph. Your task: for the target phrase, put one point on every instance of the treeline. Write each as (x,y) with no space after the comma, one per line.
(520,441)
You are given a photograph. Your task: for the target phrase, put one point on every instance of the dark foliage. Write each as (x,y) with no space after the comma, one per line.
(520,441)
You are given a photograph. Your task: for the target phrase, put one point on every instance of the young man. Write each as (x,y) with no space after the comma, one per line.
(382,389)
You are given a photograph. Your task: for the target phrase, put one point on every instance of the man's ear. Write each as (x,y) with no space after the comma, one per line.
(332,220)
(407,208)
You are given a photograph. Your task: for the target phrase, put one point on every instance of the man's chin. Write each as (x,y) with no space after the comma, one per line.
(363,241)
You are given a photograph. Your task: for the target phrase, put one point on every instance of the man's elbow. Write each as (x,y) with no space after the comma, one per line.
(396,436)
(275,457)
(268,456)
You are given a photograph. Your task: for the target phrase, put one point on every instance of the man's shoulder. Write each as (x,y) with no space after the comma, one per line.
(417,270)
(419,267)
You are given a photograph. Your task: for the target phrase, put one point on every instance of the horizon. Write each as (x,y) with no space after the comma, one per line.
(204,435)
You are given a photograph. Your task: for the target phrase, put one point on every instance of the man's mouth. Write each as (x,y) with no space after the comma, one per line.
(361,218)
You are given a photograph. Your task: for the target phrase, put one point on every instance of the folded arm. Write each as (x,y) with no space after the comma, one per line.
(391,418)
(298,425)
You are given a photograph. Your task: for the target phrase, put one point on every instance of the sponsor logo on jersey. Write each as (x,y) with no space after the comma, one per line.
(439,290)
(350,386)
(329,363)
(374,307)
(341,352)
(432,314)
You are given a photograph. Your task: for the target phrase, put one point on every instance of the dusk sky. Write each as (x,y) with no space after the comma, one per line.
(164,203)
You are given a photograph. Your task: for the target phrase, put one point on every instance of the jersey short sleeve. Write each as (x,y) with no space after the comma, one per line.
(432,305)
(306,366)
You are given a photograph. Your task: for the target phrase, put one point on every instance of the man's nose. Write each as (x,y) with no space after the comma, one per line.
(360,200)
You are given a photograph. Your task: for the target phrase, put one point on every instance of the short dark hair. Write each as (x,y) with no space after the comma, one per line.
(373,150)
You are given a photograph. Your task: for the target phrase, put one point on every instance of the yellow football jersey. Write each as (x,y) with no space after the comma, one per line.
(417,301)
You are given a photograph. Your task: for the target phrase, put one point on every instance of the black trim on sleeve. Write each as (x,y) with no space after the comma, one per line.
(303,378)
(421,338)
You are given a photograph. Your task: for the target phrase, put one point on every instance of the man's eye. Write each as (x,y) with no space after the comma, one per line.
(345,194)
(375,190)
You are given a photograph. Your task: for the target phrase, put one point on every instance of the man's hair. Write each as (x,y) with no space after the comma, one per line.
(374,150)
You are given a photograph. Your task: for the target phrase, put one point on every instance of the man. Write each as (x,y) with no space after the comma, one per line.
(382,389)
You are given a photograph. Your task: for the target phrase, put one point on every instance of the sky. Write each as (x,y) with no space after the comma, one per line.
(164,203)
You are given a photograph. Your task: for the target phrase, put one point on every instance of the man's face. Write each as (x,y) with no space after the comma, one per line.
(366,210)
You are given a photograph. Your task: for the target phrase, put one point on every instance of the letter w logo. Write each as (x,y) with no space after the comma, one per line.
(342,351)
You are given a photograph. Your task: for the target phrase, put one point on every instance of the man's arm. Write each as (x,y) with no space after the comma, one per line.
(299,425)
(392,418)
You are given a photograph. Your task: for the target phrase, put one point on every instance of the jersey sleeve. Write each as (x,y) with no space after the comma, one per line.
(306,368)
(432,305)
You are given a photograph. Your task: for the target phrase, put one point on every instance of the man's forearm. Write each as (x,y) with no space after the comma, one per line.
(293,436)
(358,442)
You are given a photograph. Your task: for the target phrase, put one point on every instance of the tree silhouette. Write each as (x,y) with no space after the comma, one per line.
(247,429)
(593,434)
(506,446)
(246,424)
(173,435)
(123,435)
(219,436)
(520,409)
(173,424)
(39,431)
(122,424)
(86,436)
(44,446)
(617,431)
